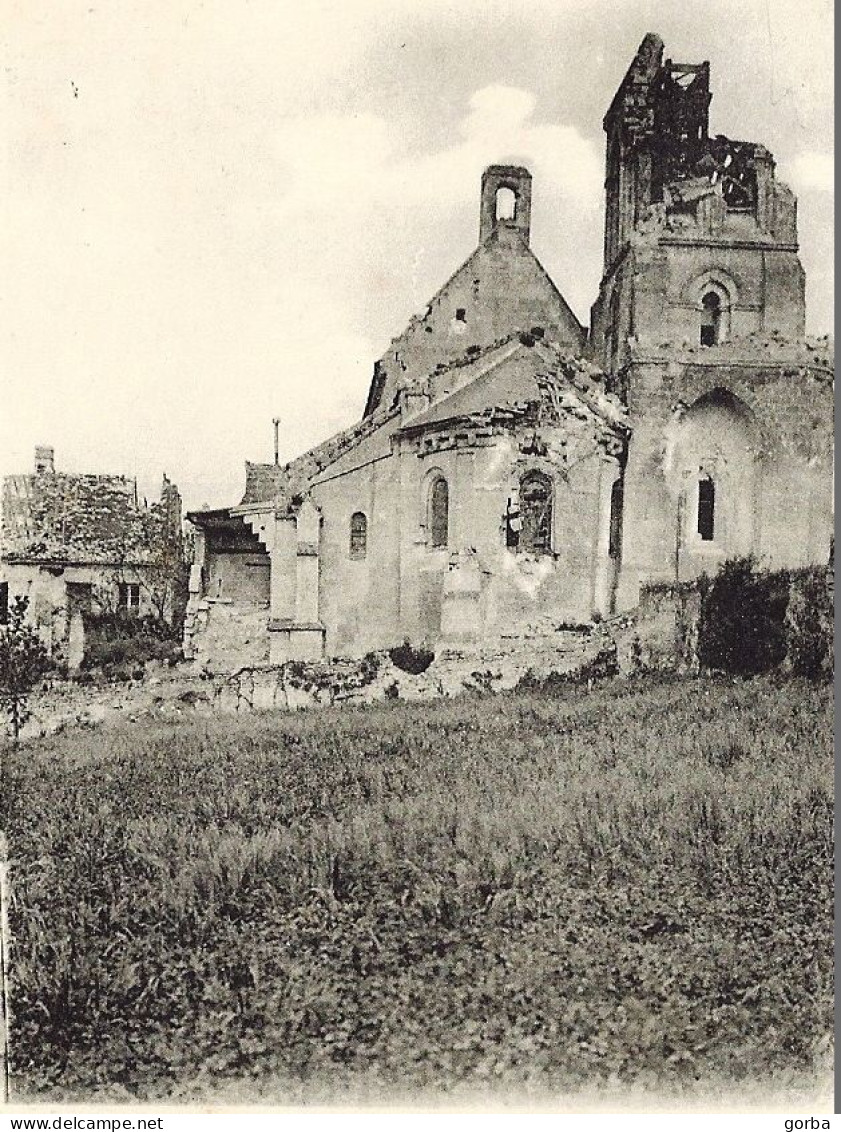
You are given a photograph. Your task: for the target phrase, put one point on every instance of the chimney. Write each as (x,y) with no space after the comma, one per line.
(506,200)
(44,460)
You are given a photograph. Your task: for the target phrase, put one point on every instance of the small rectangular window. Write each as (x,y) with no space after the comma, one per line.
(438,513)
(129,595)
(615,536)
(461,314)
(4,603)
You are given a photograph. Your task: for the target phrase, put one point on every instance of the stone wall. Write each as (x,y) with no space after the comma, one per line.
(59,596)
(770,455)
(661,634)
(194,689)
(223,636)
(407,588)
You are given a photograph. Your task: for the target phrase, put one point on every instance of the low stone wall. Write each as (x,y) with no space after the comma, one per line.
(194,688)
(810,621)
(661,634)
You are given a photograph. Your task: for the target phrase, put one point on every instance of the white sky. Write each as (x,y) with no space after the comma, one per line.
(219,212)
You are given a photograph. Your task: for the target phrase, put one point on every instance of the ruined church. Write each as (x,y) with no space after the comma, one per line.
(516,469)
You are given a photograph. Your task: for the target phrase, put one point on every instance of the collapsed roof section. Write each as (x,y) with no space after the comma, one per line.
(54,518)
(525,379)
(659,150)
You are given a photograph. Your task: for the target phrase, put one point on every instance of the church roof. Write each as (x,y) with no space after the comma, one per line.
(523,377)
(282,482)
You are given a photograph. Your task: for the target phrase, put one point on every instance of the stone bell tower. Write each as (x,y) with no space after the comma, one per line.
(700,241)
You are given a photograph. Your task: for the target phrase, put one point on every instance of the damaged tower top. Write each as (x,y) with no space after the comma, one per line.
(659,150)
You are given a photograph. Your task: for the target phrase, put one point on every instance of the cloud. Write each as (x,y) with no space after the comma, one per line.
(241,258)
(497,126)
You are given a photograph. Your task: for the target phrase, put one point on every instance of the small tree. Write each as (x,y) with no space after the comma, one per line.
(23,661)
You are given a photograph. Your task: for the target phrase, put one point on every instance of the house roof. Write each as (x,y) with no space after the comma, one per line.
(55,518)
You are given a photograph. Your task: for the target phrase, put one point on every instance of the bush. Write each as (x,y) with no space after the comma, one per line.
(409,659)
(117,642)
(23,661)
(742,623)
(809,625)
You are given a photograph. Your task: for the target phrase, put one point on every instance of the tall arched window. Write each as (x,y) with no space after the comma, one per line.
(438,516)
(506,204)
(615,539)
(710,319)
(535,513)
(706,508)
(358,535)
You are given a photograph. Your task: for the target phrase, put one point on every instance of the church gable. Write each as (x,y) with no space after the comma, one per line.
(502,288)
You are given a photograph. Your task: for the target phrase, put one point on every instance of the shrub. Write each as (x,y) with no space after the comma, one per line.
(116,642)
(742,622)
(409,659)
(23,661)
(809,625)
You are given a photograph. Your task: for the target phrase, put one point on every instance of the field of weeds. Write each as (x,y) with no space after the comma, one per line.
(526,892)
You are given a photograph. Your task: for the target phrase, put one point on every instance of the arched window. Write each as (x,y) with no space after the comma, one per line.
(710,319)
(506,204)
(438,517)
(358,535)
(535,513)
(615,539)
(706,508)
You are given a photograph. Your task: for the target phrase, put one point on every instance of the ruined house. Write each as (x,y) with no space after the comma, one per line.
(74,544)
(514,469)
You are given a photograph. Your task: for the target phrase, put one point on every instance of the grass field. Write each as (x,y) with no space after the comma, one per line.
(630,887)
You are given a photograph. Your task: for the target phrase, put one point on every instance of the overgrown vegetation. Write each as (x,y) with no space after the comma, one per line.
(742,619)
(410,659)
(601,667)
(522,891)
(753,620)
(119,643)
(23,661)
